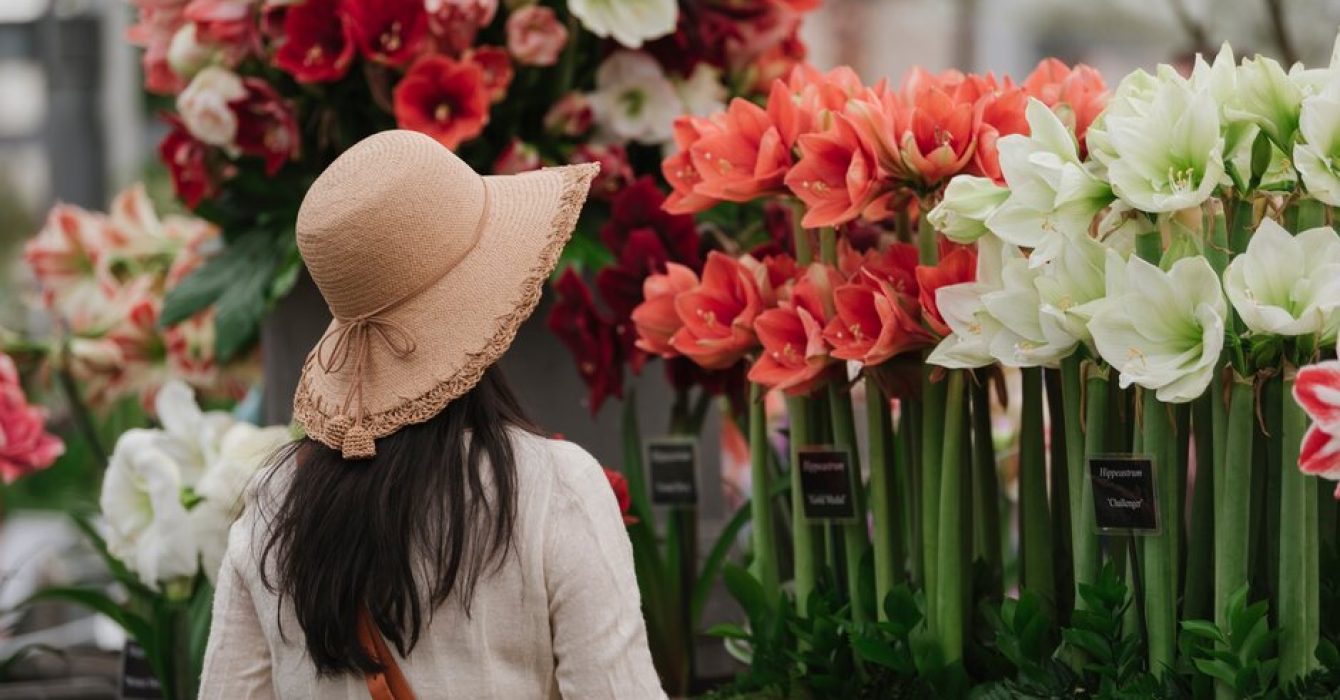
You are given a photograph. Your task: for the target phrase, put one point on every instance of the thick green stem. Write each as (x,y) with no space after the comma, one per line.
(986,490)
(1161,555)
(932,444)
(760,474)
(954,576)
(1297,519)
(802,532)
(1035,543)
(1198,598)
(855,534)
(927,246)
(1088,553)
(1233,515)
(888,531)
(1059,476)
(909,485)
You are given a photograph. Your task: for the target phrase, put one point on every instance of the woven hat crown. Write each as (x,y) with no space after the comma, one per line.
(390,215)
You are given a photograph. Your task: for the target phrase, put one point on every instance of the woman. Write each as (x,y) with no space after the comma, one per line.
(422,540)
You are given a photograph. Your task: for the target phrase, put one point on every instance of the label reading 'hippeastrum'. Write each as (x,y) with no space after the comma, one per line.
(673,464)
(1123,494)
(826,483)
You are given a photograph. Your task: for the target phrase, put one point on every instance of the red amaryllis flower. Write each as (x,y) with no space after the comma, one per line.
(185,157)
(638,207)
(496,67)
(795,355)
(959,266)
(318,44)
(265,125)
(443,98)
(777,61)
(836,176)
(615,171)
(455,23)
(620,487)
(806,101)
(388,31)
(719,315)
(874,322)
(679,169)
(1002,114)
(589,336)
(25,445)
(1076,94)
(743,161)
(655,318)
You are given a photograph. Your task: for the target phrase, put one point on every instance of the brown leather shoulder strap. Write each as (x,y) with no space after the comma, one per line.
(390,683)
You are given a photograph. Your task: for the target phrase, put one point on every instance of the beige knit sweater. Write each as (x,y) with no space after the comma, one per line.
(560,618)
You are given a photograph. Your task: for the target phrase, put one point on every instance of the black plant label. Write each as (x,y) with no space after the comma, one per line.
(137,675)
(1123,494)
(674,472)
(826,483)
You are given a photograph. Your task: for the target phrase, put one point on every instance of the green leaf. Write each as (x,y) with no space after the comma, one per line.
(748,592)
(98,602)
(117,568)
(1218,669)
(900,605)
(208,282)
(1204,629)
(1089,642)
(728,631)
(702,587)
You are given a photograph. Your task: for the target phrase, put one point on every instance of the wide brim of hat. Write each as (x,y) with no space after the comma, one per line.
(460,324)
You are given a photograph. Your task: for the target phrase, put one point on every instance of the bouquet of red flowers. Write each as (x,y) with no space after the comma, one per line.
(267,92)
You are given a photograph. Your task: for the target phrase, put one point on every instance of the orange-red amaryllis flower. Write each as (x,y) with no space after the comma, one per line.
(795,354)
(1002,114)
(960,265)
(805,102)
(873,322)
(719,315)
(836,176)
(444,98)
(1076,94)
(679,169)
(941,126)
(655,318)
(743,161)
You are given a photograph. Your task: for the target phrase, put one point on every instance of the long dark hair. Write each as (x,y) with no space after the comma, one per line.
(419,522)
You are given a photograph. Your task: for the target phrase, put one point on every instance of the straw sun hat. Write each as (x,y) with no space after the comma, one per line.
(428,269)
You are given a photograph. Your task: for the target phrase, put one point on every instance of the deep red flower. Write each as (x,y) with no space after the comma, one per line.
(388,31)
(620,487)
(444,98)
(185,157)
(589,336)
(318,43)
(615,171)
(496,67)
(266,127)
(638,206)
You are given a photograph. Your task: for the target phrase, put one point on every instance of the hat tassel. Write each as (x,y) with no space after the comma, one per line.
(358,443)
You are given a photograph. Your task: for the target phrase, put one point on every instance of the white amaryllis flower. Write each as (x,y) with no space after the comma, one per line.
(1266,96)
(191,437)
(1287,285)
(961,305)
(1317,153)
(1052,194)
(629,22)
(1162,144)
(1162,330)
(634,101)
(242,451)
(186,55)
(204,105)
(702,93)
(147,524)
(967,203)
(1071,288)
(1020,341)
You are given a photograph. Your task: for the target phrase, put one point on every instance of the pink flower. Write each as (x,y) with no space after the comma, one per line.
(496,68)
(616,173)
(571,116)
(158,22)
(719,315)
(516,157)
(456,22)
(535,36)
(655,318)
(25,445)
(66,254)
(1317,390)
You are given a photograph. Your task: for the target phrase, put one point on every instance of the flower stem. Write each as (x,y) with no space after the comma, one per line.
(1035,536)
(1198,599)
(950,620)
(1096,402)
(802,532)
(1083,538)
(1059,473)
(986,490)
(1297,520)
(932,417)
(1161,555)
(760,505)
(926,244)
(1233,485)
(909,485)
(888,533)
(855,534)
